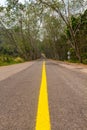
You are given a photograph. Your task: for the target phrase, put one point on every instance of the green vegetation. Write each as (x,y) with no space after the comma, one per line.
(8,60)
(43,26)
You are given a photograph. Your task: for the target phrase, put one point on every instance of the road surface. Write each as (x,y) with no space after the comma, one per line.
(21,94)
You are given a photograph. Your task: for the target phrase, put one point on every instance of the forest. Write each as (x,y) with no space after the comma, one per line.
(56,28)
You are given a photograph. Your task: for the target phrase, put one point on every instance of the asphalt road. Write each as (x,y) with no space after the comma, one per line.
(67,97)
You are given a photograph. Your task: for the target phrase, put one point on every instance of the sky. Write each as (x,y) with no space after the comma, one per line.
(3,2)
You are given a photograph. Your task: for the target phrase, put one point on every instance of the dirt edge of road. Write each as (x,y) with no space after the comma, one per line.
(79,66)
(7,71)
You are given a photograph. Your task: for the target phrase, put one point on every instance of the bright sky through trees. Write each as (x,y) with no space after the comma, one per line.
(3,2)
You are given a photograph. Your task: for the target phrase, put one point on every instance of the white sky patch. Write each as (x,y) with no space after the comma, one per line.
(3,2)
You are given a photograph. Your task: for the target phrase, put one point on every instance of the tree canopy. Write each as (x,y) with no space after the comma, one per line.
(52,27)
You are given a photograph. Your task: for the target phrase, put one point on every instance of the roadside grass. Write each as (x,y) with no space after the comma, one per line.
(76,61)
(72,61)
(6,60)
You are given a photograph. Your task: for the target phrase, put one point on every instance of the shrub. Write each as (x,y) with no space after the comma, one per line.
(85,61)
(19,60)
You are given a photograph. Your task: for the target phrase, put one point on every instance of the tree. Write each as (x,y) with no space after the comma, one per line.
(65,10)
(20,27)
(54,41)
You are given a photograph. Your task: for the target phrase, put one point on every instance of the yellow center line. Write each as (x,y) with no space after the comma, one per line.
(43,117)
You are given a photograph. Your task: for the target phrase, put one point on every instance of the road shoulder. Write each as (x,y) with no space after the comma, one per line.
(75,66)
(7,71)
